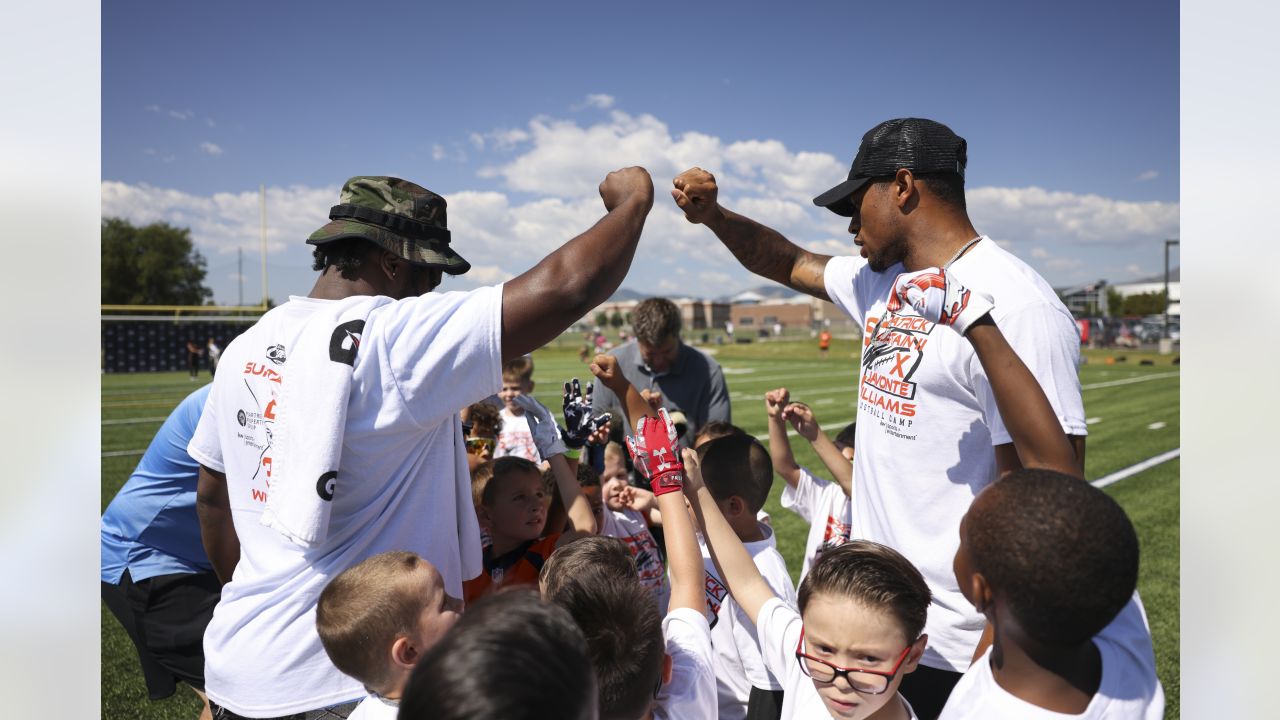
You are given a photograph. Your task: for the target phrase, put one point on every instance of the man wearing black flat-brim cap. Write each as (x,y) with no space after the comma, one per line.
(332,433)
(929,433)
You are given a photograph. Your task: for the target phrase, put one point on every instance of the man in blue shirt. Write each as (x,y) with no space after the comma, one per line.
(156,578)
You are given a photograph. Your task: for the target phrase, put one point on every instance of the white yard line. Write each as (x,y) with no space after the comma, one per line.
(134,421)
(1147,464)
(1129,381)
(122,453)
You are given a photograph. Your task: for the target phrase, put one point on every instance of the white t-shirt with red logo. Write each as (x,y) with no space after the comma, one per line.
(515,438)
(402,483)
(825,507)
(739,666)
(927,419)
(629,526)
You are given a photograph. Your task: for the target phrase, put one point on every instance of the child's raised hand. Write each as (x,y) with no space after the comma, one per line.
(542,425)
(775,401)
(939,297)
(653,398)
(801,418)
(580,424)
(653,450)
(692,470)
(606,368)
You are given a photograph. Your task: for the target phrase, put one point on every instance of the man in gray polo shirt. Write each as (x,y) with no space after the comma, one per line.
(689,380)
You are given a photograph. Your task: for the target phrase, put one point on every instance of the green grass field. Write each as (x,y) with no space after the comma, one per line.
(1132,411)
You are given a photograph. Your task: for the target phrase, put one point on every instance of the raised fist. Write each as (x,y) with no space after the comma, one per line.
(938,296)
(695,193)
(801,418)
(775,401)
(620,185)
(606,368)
(654,452)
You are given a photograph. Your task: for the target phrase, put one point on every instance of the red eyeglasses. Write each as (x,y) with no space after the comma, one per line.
(872,682)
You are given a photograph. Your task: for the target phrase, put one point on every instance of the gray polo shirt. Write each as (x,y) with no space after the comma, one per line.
(694,385)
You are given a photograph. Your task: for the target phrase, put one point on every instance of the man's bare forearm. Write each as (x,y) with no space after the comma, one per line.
(766,252)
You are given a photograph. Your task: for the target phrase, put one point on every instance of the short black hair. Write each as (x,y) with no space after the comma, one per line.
(623,629)
(737,465)
(717,429)
(873,575)
(510,656)
(347,255)
(947,187)
(1060,552)
(847,436)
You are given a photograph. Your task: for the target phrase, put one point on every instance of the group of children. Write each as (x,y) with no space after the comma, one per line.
(603,598)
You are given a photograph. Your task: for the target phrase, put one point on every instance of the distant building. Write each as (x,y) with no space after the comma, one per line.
(1087,300)
(1156,285)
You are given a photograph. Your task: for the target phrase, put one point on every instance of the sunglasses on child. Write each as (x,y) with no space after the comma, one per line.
(871,682)
(476,444)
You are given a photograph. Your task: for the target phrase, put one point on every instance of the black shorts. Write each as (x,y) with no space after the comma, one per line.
(165,617)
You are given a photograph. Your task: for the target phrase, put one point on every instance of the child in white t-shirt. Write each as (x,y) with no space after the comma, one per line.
(824,505)
(1052,562)
(646,666)
(516,436)
(739,474)
(377,618)
(624,513)
(858,629)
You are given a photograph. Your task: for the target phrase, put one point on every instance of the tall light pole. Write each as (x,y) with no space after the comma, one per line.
(1167,243)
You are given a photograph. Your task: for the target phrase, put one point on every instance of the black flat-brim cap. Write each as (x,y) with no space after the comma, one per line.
(921,146)
(396,215)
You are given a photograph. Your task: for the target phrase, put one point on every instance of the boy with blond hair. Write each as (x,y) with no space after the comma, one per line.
(516,437)
(377,618)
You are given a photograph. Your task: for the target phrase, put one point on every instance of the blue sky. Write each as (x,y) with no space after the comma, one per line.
(515,112)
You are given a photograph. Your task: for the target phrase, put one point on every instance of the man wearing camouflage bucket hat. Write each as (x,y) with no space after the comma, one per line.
(333,432)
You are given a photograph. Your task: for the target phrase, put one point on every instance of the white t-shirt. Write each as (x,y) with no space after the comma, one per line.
(692,690)
(825,507)
(739,666)
(629,526)
(515,438)
(779,626)
(403,474)
(927,420)
(375,707)
(1129,687)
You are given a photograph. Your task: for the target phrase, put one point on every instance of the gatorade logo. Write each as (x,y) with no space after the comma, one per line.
(345,342)
(325,485)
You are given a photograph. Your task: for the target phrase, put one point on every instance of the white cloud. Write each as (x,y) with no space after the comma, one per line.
(222,222)
(148,151)
(599,100)
(210,122)
(210,149)
(1148,175)
(559,163)
(153,108)
(181,114)
(1039,215)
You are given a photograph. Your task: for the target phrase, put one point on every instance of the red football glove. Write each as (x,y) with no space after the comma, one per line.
(655,453)
(938,296)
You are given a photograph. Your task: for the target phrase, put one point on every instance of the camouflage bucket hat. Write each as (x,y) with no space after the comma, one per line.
(404,218)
